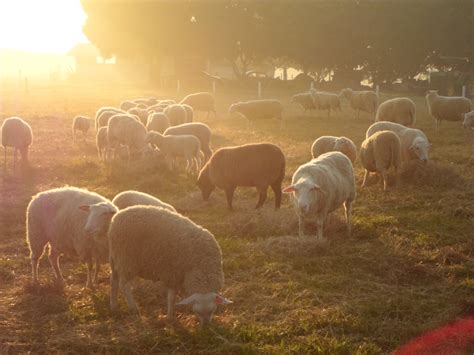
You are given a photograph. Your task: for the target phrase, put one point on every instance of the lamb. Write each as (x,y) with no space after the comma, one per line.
(126,130)
(304,99)
(326,101)
(200,130)
(186,146)
(321,186)
(251,165)
(414,143)
(189,113)
(142,114)
(200,101)
(158,122)
(366,101)
(101,142)
(103,109)
(134,198)
(18,134)
(325,144)
(176,114)
(258,109)
(80,123)
(170,248)
(127,105)
(378,153)
(447,108)
(400,110)
(468,120)
(71,221)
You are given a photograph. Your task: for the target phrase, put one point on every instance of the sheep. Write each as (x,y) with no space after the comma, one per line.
(176,114)
(378,153)
(400,110)
(134,198)
(200,130)
(326,101)
(325,144)
(321,186)
(103,109)
(305,100)
(126,130)
(186,146)
(104,118)
(189,113)
(101,142)
(414,143)
(142,114)
(251,165)
(127,105)
(169,248)
(258,109)
(18,134)
(447,108)
(80,123)
(158,122)
(468,120)
(71,221)
(366,101)
(201,101)
(150,101)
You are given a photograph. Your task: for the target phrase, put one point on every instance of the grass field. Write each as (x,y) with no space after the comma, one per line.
(408,267)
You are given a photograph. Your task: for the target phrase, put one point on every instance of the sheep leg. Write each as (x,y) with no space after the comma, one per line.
(127,292)
(5,159)
(171,301)
(366,175)
(34,266)
(15,155)
(89,275)
(348,214)
(54,261)
(319,229)
(96,272)
(276,187)
(114,286)
(384,182)
(229,193)
(301,227)
(262,196)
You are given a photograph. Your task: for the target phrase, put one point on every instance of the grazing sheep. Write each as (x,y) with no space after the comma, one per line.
(186,146)
(251,165)
(147,101)
(305,100)
(126,130)
(127,105)
(258,109)
(400,110)
(326,101)
(468,120)
(16,133)
(103,109)
(414,143)
(170,248)
(326,144)
(378,153)
(366,101)
(71,221)
(80,123)
(200,101)
(104,118)
(200,130)
(189,113)
(321,186)
(157,122)
(447,108)
(101,142)
(141,113)
(134,198)
(176,114)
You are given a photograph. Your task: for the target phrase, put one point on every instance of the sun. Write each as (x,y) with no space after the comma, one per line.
(49,26)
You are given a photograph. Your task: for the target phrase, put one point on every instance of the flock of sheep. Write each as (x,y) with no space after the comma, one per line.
(169,247)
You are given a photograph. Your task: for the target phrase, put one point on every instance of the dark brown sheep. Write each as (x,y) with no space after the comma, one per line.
(251,165)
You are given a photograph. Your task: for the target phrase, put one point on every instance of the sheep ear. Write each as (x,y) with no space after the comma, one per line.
(219,299)
(189,300)
(289,189)
(316,187)
(85,208)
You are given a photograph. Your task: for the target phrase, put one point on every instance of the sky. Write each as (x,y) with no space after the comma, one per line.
(41,26)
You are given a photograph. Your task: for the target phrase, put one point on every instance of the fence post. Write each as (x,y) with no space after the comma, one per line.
(259,89)
(311,86)
(377,89)
(464,90)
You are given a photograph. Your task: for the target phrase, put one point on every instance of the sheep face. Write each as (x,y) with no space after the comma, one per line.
(98,220)
(204,183)
(204,305)
(468,120)
(307,197)
(420,148)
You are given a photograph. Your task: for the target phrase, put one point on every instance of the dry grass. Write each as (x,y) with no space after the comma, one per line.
(407,267)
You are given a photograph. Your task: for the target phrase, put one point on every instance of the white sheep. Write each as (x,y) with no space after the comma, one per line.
(176,114)
(326,101)
(104,118)
(258,109)
(169,248)
(379,153)
(201,101)
(400,110)
(134,198)
(158,122)
(468,120)
(305,100)
(72,221)
(127,105)
(189,113)
(16,133)
(366,101)
(321,186)
(447,108)
(141,113)
(103,109)
(126,130)
(414,143)
(185,146)
(80,123)
(326,144)
(200,130)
